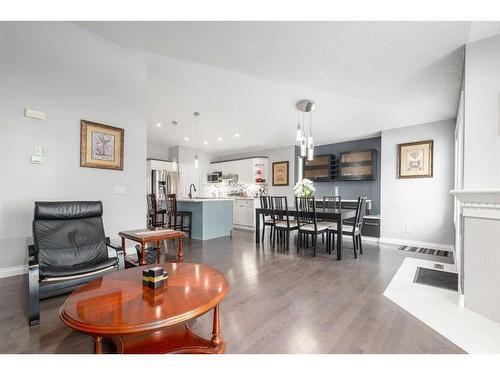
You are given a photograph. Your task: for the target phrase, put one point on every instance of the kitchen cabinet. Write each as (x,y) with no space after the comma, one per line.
(244,213)
(249,170)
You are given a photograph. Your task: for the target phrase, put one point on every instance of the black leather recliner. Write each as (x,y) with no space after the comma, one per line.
(70,249)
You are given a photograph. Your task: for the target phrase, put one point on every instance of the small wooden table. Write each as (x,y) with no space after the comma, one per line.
(143,236)
(142,320)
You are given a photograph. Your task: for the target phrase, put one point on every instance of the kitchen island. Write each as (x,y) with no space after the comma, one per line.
(212,217)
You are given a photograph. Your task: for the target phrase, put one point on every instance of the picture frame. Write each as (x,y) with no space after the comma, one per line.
(101,146)
(415,159)
(281,173)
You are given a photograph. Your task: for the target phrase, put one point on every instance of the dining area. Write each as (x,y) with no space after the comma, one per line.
(309,220)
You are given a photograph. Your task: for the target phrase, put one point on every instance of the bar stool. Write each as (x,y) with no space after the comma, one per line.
(153,212)
(172,213)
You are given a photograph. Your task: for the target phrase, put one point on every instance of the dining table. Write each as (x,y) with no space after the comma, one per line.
(333,215)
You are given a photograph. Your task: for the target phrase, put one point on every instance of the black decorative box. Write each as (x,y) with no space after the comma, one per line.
(154,277)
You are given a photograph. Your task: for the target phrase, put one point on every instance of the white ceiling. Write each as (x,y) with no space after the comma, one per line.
(245,77)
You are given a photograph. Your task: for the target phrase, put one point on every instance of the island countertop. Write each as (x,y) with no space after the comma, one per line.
(203,199)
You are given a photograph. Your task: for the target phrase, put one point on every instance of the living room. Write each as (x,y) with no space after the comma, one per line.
(320,187)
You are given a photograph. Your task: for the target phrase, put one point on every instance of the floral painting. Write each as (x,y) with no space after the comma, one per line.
(415,159)
(101,146)
(280,173)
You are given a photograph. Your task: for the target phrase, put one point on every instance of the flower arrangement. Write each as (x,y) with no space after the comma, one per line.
(304,188)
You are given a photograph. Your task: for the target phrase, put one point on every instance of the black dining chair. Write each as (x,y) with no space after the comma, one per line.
(351,230)
(305,208)
(267,220)
(283,224)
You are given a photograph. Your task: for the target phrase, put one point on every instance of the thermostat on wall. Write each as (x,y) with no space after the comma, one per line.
(31,113)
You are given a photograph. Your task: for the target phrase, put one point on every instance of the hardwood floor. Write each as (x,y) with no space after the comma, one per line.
(278,303)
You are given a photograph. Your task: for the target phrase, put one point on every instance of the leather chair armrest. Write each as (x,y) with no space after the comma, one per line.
(119,253)
(116,247)
(32,254)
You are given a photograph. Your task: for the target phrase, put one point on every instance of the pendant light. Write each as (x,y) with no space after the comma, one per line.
(299,129)
(310,142)
(196,160)
(303,140)
(306,143)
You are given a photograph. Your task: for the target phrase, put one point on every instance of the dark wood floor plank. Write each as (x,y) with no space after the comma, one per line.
(279,302)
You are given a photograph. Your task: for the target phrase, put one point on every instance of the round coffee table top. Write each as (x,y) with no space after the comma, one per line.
(118,303)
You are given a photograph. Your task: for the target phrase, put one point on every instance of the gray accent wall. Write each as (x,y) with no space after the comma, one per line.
(352,189)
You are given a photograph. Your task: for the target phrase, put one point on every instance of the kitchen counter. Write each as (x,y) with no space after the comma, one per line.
(212,217)
(203,199)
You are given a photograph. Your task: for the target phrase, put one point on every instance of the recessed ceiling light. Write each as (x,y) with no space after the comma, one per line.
(220,139)
(186,138)
(237,135)
(158,124)
(205,142)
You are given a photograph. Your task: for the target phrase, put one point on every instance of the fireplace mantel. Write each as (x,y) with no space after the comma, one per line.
(478,250)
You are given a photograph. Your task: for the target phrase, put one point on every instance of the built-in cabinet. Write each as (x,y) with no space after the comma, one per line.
(244,213)
(250,170)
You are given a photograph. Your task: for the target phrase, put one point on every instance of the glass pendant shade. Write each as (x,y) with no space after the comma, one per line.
(196,161)
(310,147)
(299,133)
(303,146)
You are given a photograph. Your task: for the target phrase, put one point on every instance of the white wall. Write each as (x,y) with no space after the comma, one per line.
(274,155)
(188,174)
(482,114)
(424,204)
(70,74)
(158,150)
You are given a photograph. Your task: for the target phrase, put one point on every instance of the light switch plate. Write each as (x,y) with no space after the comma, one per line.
(35,159)
(120,190)
(31,113)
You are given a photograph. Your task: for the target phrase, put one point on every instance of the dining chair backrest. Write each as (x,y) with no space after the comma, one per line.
(265,203)
(305,208)
(279,209)
(171,204)
(331,203)
(360,212)
(151,200)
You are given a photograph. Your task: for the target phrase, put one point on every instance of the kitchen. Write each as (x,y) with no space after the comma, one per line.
(228,187)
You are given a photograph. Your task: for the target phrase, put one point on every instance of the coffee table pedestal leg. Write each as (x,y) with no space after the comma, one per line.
(97,345)
(216,328)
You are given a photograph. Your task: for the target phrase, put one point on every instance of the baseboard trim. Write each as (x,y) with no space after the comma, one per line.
(13,271)
(429,245)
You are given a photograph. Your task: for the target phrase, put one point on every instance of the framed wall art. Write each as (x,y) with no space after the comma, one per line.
(415,159)
(280,173)
(101,146)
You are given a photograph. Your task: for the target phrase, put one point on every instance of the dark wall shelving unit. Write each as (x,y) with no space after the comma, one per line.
(358,165)
(323,168)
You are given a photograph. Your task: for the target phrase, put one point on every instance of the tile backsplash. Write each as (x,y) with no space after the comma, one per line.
(233,188)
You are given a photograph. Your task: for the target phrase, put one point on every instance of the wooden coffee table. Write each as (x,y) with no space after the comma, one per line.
(143,320)
(143,236)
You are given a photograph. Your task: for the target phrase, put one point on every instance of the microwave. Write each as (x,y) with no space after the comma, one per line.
(214,177)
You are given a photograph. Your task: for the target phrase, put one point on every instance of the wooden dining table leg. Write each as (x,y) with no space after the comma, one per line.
(180,254)
(339,238)
(97,344)
(216,328)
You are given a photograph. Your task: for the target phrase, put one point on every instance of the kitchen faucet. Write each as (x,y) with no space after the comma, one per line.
(191,194)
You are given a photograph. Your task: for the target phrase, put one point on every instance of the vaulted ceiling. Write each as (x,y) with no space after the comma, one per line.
(245,77)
